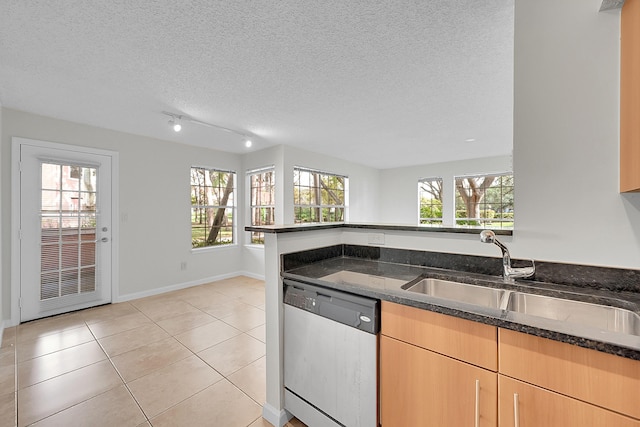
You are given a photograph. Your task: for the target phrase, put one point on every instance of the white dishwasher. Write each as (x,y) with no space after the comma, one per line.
(330,356)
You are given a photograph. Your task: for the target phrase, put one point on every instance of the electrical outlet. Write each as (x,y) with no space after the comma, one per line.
(183,265)
(376,238)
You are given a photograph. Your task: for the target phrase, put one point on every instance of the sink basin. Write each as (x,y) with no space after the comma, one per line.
(461,292)
(582,313)
(367,280)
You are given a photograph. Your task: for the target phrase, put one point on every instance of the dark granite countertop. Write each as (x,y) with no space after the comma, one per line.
(277,229)
(384,280)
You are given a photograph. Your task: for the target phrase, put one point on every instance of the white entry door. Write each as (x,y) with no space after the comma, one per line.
(65,228)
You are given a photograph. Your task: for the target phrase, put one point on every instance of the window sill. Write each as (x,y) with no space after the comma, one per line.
(213,248)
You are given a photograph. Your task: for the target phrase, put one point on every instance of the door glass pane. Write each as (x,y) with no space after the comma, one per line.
(69,282)
(50,174)
(87,279)
(68,230)
(88,254)
(70,175)
(49,285)
(49,257)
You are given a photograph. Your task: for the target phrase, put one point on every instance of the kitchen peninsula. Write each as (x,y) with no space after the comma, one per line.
(317,253)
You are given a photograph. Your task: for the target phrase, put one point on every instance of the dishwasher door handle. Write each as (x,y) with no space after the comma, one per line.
(324,296)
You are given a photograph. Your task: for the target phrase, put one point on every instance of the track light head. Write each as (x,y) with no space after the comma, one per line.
(174,122)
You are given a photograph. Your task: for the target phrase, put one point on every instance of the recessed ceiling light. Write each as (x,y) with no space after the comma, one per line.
(248,143)
(470,140)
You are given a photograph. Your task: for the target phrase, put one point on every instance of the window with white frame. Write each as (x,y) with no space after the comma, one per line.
(430,199)
(485,201)
(262,200)
(212,207)
(319,196)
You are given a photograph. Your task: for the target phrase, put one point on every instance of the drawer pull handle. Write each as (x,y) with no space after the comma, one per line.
(516,411)
(477,403)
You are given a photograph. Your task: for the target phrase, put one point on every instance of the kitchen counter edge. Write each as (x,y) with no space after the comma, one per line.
(290,228)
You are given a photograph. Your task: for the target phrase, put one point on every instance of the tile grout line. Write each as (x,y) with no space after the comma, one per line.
(78,403)
(121,377)
(223,377)
(191,352)
(87,325)
(148,419)
(173,363)
(15,371)
(15,378)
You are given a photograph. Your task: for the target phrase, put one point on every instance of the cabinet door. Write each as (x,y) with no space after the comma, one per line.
(422,388)
(598,378)
(630,96)
(525,405)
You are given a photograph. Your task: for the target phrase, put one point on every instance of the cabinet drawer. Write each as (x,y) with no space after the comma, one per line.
(539,407)
(603,379)
(465,340)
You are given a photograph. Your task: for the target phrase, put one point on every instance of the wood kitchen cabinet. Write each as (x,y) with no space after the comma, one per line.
(560,384)
(430,363)
(630,96)
(535,406)
(421,384)
(422,388)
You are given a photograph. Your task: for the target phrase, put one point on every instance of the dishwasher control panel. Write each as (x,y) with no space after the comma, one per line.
(300,300)
(349,309)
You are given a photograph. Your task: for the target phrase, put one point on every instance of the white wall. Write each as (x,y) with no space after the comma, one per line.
(154,204)
(566,144)
(154,200)
(363,190)
(566,123)
(2,279)
(363,182)
(399,186)
(272,156)
(253,255)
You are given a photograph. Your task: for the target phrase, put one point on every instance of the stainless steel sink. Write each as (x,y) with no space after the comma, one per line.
(461,292)
(582,313)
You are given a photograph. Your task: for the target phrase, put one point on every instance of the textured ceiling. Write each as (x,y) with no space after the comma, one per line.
(383,83)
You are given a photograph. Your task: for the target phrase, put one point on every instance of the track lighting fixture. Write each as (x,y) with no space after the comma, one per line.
(175,119)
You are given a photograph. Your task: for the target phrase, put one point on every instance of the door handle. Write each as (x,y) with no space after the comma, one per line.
(104,239)
(477,409)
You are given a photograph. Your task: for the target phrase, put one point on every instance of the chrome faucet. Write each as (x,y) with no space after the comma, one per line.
(510,273)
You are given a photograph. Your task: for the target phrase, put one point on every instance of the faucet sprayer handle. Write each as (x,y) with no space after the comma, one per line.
(487,236)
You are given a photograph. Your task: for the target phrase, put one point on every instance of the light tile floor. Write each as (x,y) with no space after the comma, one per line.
(193,357)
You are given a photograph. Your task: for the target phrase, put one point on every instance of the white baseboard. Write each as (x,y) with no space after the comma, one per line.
(276,417)
(8,323)
(250,274)
(14,321)
(178,286)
